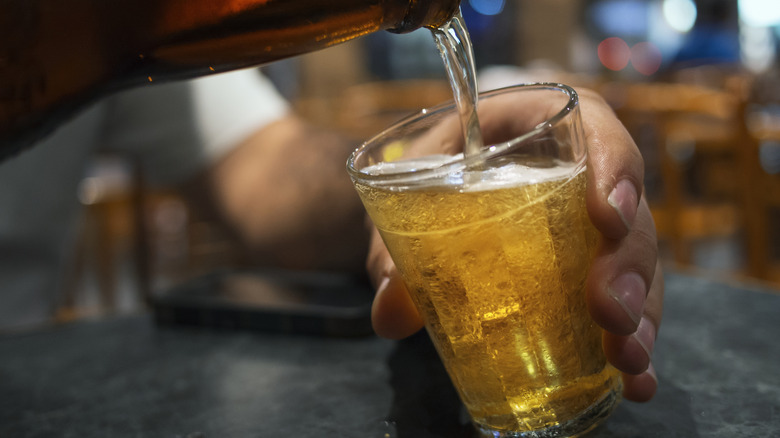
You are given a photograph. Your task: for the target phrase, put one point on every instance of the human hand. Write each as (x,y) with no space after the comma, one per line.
(625,285)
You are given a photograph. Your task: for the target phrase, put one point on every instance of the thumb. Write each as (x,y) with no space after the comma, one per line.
(393,313)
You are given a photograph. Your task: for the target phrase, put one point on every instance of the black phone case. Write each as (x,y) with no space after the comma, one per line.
(297,302)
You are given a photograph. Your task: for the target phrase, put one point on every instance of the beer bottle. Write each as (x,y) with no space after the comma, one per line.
(57,56)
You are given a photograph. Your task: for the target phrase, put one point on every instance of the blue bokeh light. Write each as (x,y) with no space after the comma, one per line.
(487,7)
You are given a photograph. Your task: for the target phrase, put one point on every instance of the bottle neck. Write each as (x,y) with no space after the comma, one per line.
(58,55)
(211,36)
(130,41)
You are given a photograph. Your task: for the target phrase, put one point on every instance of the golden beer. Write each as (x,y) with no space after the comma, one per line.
(497,269)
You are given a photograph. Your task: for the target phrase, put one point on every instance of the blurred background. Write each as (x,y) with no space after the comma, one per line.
(696,83)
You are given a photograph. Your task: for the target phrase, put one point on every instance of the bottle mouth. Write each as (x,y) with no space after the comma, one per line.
(426,13)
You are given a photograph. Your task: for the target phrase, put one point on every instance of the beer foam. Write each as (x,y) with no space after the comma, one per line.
(504,175)
(410,165)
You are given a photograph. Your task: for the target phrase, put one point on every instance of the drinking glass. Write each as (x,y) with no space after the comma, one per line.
(494,248)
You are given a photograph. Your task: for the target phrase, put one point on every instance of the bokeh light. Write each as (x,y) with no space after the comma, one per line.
(759,13)
(614,53)
(487,7)
(680,14)
(646,58)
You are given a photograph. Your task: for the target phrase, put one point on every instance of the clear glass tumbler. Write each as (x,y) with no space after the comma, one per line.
(495,249)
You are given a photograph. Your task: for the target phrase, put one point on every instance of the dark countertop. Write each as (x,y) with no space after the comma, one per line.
(717,359)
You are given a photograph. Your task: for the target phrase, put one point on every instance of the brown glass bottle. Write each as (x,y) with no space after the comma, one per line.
(58,55)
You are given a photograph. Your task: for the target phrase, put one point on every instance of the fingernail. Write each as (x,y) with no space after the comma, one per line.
(624,200)
(629,291)
(645,336)
(382,285)
(651,372)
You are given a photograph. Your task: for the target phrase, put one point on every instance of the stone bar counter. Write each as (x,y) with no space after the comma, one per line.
(717,359)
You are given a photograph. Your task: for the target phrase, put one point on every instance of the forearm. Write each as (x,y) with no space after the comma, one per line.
(286,194)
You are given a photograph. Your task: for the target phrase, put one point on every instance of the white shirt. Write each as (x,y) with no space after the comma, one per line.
(176,129)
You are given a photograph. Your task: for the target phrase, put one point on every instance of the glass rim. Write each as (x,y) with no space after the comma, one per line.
(461,164)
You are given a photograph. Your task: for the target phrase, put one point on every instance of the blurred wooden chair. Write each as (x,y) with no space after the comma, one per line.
(366,109)
(762,187)
(694,143)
